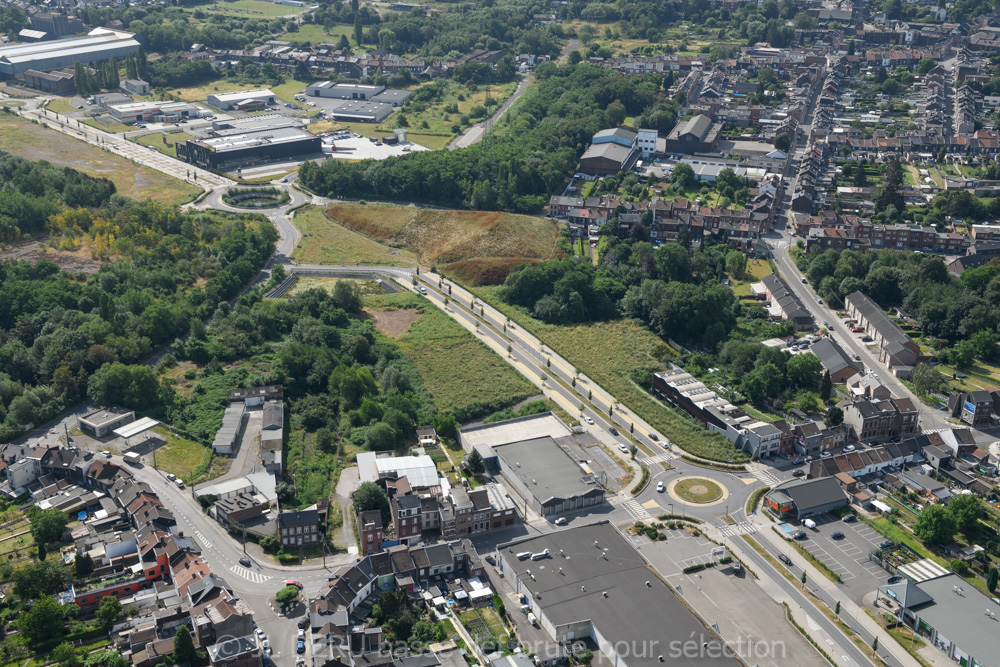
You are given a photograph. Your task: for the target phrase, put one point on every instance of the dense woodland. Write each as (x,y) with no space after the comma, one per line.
(65,336)
(962,311)
(537,143)
(348,389)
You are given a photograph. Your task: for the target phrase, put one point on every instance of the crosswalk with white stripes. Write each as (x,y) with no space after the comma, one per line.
(741,528)
(636,510)
(765,476)
(255,577)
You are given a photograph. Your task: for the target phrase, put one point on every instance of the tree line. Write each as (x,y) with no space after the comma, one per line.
(162,272)
(537,143)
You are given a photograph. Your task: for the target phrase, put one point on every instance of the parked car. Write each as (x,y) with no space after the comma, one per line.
(245,562)
(660,488)
(171,476)
(837,535)
(825,455)
(266,645)
(849,448)
(799,473)
(737,567)
(300,646)
(894,579)
(800,535)
(561,521)
(849,518)
(886,544)
(260,634)
(304,622)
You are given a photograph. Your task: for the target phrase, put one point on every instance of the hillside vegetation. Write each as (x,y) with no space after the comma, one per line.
(479,247)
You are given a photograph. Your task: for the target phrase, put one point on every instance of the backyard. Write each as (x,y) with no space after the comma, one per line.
(486,628)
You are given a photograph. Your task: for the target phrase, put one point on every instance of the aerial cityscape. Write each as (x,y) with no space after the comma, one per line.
(495,333)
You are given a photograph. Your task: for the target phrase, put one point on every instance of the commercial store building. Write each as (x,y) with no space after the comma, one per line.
(100,423)
(360,112)
(226,101)
(267,144)
(100,44)
(546,477)
(949,613)
(807,497)
(590,583)
(343,91)
(157,112)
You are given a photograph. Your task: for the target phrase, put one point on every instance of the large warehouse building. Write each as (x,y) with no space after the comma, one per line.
(265,144)
(100,44)
(245,100)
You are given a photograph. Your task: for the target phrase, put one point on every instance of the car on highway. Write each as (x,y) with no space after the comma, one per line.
(423,290)
(837,535)
(612,430)
(819,301)
(245,562)
(849,518)
(805,281)
(587,419)
(785,559)
(292,582)
(622,448)
(660,488)
(857,357)
(654,437)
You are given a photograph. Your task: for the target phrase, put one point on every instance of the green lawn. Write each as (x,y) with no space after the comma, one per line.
(187,459)
(167,148)
(327,242)
(289,89)
(107,124)
(61,105)
(248,8)
(316,34)
(463,375)
(618,355)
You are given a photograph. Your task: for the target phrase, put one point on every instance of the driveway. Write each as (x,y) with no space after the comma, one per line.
(346,486)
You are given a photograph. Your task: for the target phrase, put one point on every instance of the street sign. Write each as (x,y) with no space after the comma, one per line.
(719,552)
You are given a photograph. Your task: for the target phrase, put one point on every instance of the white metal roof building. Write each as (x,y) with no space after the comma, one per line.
(420,471)
(229,100)
(135,428)
(99,44)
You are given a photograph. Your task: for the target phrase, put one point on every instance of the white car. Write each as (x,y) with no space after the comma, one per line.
(849,448)
(260,633)
(825,455)
(561,521)
(588,420)
(660,488)
(622,448)
(266,645)
(171,476)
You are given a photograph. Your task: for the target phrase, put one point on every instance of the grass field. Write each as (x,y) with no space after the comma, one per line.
(614,354)
(478,246)
(464,376)
(36,142)
(315,34)
(248,8)
(327,242)
(168,148)
(187,459)
(367,287)
(288,90)
(107,124)
(61,105)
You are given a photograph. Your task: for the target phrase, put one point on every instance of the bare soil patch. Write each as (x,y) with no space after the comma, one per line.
(393,323)
(32,251)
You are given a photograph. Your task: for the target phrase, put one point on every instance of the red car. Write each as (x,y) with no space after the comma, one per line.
(857,329)
(292,582)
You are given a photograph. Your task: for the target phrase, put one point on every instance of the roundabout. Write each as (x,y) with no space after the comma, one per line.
(698,491)
(255,198)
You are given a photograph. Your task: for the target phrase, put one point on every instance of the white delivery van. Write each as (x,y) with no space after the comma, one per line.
(131,458)
(809,523)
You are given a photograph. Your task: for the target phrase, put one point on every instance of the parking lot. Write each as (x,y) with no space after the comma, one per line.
(362,149)
(848,557)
